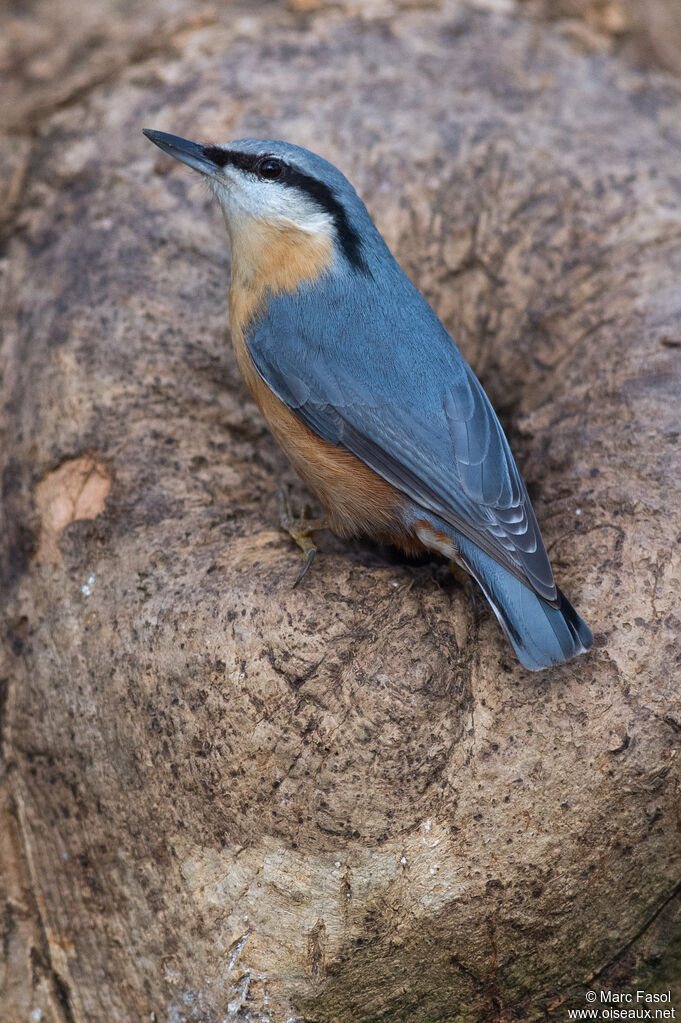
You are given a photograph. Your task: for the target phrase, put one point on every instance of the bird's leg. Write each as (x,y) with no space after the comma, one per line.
(301,529)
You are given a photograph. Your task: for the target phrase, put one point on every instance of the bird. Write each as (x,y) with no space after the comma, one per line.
(366,391)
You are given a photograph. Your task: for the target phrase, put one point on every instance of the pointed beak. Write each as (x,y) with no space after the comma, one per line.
(183,150)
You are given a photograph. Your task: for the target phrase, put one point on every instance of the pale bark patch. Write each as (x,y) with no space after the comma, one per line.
(76,490)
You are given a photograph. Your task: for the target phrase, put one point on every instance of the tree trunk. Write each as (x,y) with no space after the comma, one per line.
(226,799)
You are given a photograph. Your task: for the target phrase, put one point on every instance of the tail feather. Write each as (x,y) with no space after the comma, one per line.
(540,634)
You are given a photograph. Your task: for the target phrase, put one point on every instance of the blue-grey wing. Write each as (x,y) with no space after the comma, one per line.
(396,393)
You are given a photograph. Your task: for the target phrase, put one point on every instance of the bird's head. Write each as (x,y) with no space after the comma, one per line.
(269,189)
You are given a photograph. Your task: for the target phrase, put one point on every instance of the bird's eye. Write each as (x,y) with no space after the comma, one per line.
(270,168)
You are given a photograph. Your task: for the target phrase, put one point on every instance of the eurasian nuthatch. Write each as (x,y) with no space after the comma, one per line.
(365,390)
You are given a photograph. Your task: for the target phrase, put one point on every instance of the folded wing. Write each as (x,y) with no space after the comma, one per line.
(396,393)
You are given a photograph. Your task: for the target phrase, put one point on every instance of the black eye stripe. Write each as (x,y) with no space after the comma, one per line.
(348,238)
(216,155)
(221,157)
(318,191)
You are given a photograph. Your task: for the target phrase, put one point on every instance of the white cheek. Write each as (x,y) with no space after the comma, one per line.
(246,196)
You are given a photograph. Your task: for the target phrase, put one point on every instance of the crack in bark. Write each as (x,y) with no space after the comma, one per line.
(675,893)
(60,989)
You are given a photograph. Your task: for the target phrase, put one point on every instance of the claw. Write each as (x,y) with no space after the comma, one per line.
(308,561)
(300,529)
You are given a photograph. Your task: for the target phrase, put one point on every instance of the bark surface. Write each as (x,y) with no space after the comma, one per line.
(647,32)
(224,799)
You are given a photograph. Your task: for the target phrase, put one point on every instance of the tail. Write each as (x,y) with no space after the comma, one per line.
(541,635)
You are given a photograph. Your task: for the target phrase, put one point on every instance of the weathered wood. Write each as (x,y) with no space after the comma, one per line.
(343,802)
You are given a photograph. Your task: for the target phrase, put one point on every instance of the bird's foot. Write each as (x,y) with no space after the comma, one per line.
(301,529)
